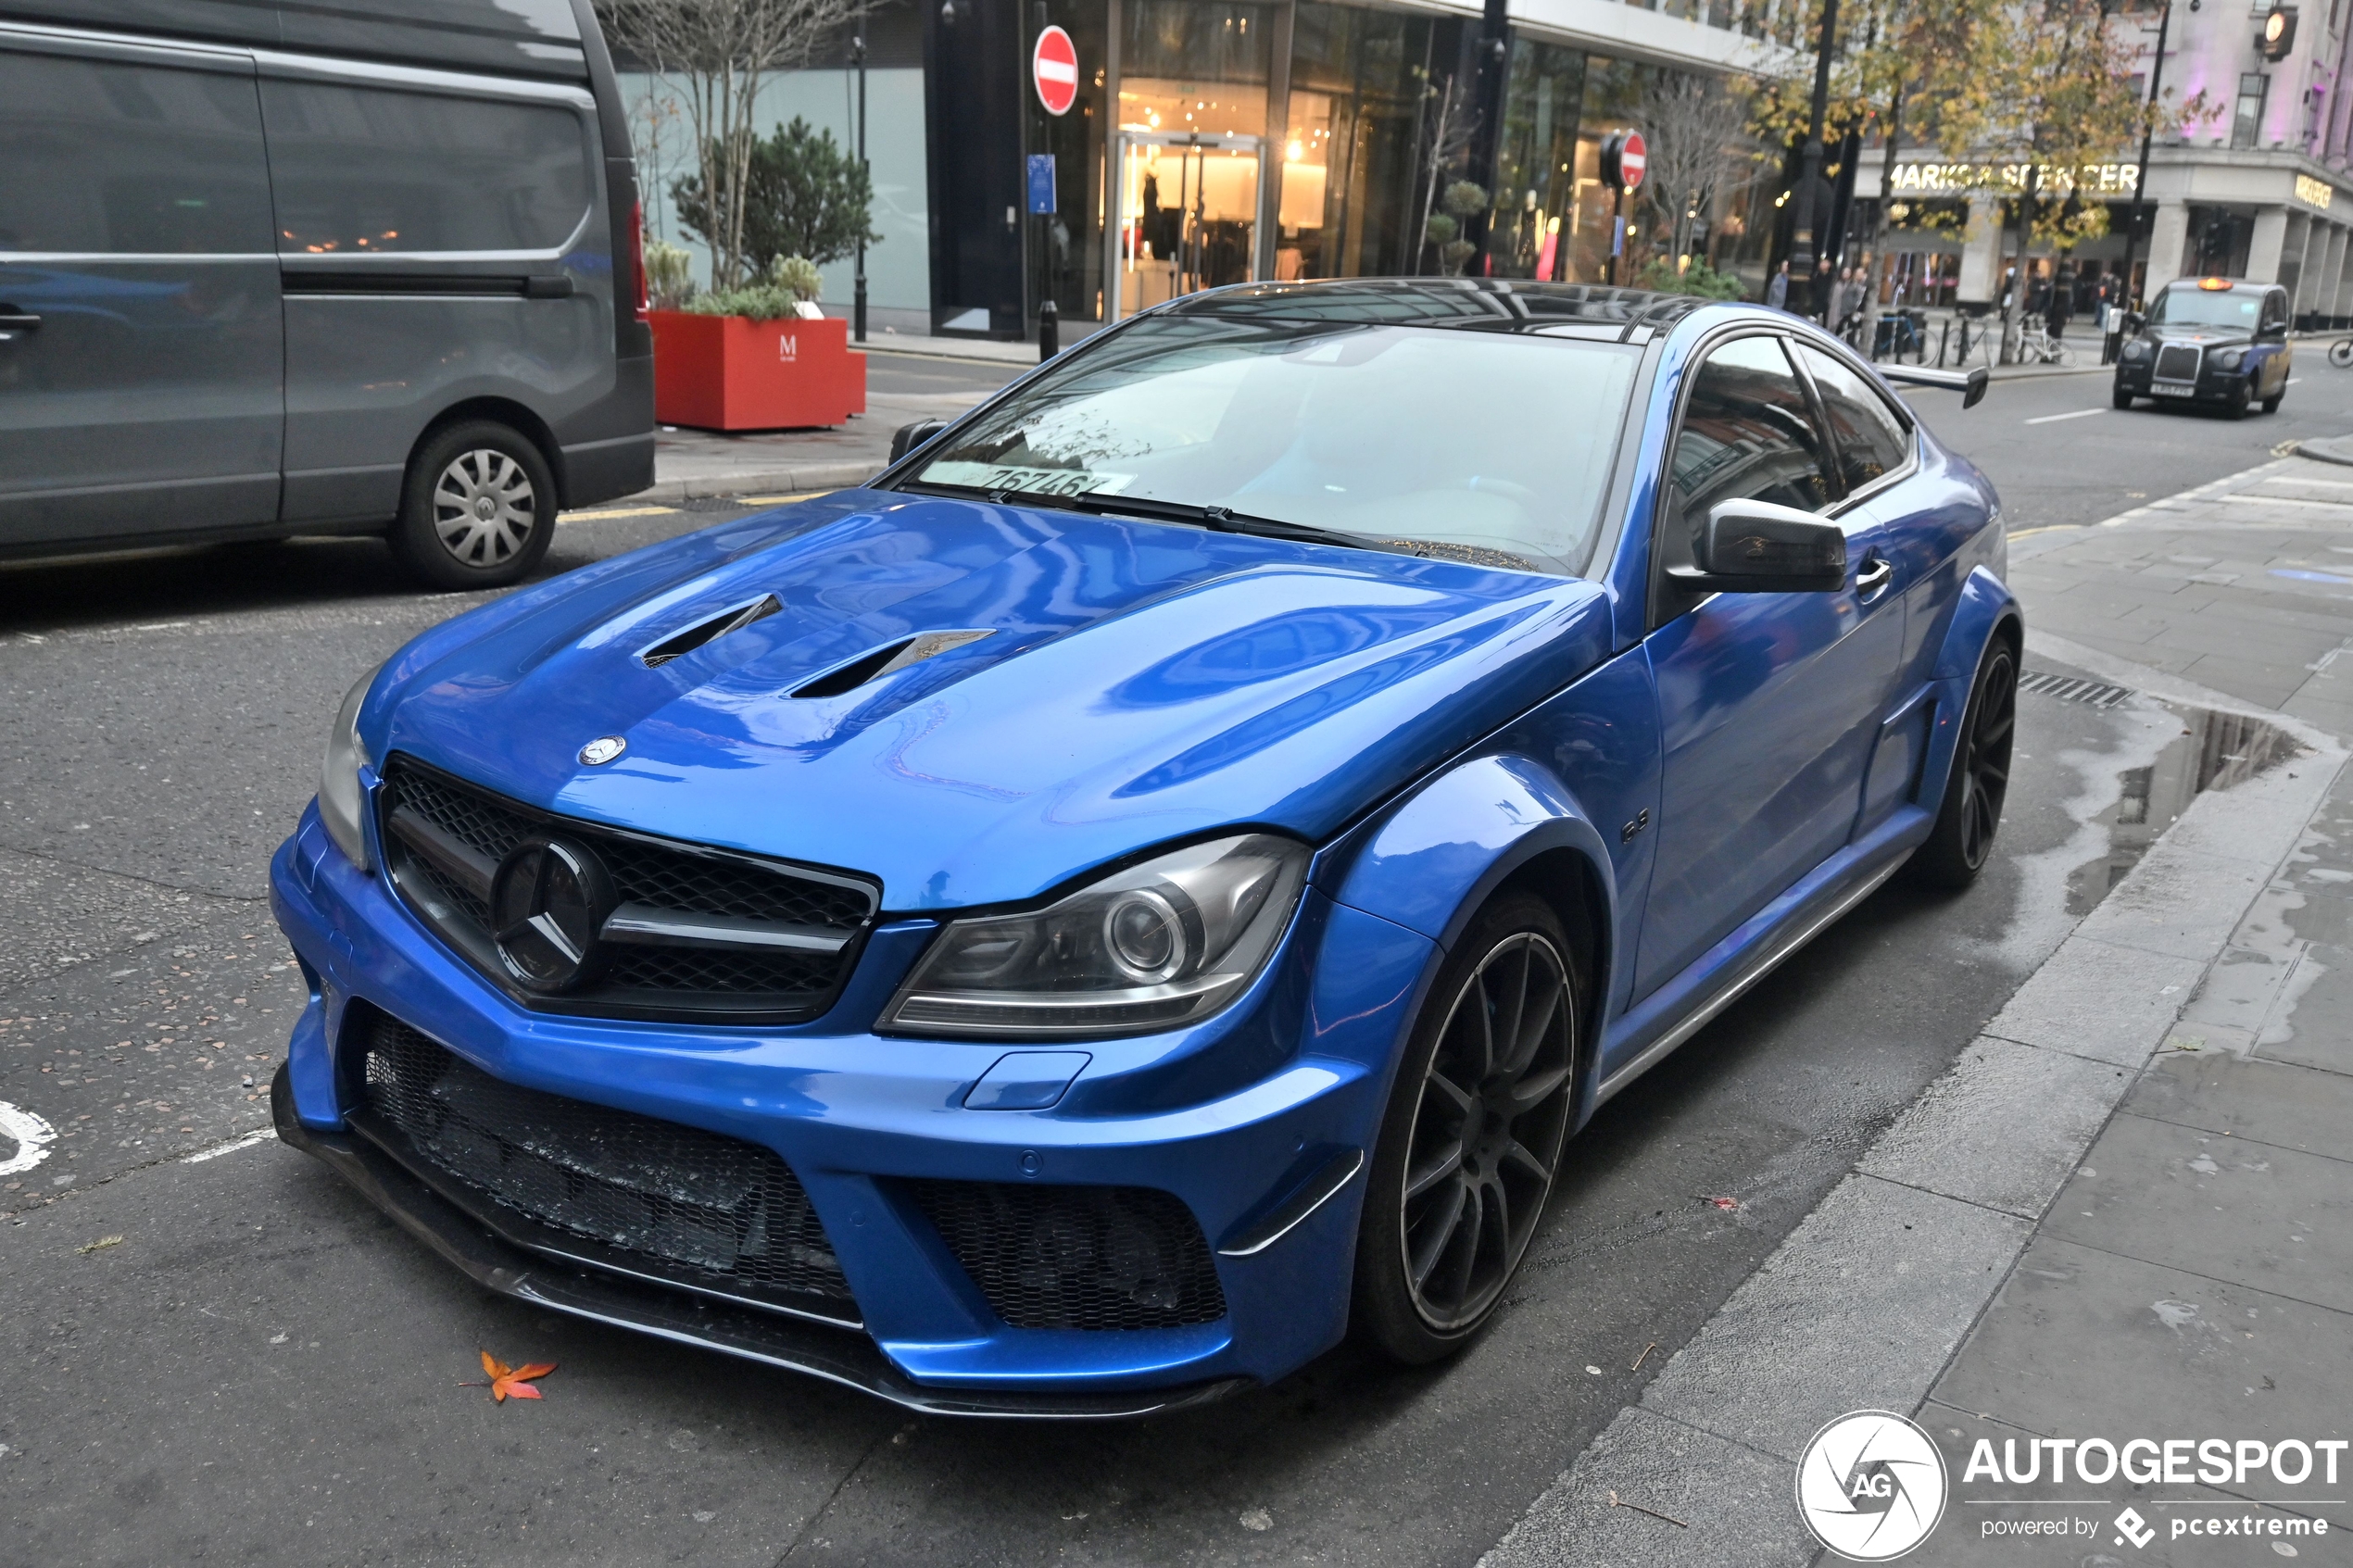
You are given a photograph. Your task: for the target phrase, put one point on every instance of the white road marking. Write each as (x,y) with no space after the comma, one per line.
(217,1150)
(32,1138)
(2078,414)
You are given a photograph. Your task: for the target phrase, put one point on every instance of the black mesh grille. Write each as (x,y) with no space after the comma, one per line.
(2177,361)
(643,1194)
(641,981)
(1076,1257)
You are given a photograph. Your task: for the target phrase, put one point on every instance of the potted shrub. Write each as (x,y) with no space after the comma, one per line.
(760,357)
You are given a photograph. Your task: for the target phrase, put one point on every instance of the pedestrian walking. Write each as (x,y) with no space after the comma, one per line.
(1777,288)
(1825,284)
(2060,307)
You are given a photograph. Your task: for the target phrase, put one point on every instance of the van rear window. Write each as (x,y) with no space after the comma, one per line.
(361,169)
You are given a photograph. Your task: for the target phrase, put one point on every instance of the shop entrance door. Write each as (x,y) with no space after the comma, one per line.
(1187,216)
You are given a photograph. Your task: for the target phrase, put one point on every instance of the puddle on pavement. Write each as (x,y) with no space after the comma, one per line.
(2213,752)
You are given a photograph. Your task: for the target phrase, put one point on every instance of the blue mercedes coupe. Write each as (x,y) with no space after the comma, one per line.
(1149,885)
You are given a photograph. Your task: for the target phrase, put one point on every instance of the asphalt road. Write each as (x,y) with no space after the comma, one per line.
(236,1359)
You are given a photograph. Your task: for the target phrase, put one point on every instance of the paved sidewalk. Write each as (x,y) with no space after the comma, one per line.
(2121,1214)
(691,464)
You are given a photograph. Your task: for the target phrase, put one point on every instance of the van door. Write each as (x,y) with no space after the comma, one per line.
(442,239)
(141,341)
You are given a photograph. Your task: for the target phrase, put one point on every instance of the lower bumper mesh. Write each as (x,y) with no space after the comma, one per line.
(1078,1257)
(634,1192)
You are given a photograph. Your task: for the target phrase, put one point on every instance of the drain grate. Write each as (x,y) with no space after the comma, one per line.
(2071,689)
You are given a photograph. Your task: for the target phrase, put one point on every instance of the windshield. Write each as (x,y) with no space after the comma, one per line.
(2206,307)
(1489,448)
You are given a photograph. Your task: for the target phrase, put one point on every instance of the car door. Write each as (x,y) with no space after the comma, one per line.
(2270,342)
(141,352)
(1769,703)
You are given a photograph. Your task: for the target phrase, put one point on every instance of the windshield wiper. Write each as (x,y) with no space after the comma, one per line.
(1224,519)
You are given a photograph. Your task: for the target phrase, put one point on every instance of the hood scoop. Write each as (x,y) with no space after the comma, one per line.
(888,659)
(732,620)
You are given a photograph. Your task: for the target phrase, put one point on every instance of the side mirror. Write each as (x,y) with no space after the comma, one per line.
(2275,332)
(906,438)
(1758,548)
(2134,320)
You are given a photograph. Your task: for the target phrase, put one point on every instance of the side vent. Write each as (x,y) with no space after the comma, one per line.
(695,637)
(887,660)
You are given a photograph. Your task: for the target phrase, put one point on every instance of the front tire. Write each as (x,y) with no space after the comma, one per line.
(2123,398)
(1472,1136)
(477,509)
(2234,404)
(2271,404)
(1962,840)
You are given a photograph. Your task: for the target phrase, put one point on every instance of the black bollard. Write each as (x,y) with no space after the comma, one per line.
(1048,332)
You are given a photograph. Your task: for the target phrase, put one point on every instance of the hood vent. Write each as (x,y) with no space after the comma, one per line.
(887,660)
(702,632)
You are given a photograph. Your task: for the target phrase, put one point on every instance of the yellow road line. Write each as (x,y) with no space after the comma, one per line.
(616,511)
(2046,528)
(779,500)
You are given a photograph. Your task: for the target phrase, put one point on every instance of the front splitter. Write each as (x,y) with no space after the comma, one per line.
(840,1356)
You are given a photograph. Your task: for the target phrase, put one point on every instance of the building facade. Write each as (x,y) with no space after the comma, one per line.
(2249,176)
(1222,141)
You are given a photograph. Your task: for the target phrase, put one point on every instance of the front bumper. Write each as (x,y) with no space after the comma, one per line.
(1234,1117)
(2212,386)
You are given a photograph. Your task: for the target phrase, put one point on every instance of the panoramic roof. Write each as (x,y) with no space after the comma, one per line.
(1508,304)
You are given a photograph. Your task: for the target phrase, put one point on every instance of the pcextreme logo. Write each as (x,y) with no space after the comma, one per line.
(1870,1486)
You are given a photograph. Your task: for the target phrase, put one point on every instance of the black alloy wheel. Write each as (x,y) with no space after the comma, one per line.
(1962,839)
(1473,1134)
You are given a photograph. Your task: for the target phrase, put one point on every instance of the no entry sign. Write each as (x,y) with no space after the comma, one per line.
(1624,157)
(1053,66)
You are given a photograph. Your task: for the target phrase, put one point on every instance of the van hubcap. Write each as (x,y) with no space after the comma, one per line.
(1493,1113)
(484,506)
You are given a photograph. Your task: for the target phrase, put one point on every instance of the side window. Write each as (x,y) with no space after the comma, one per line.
(1747,434)
(108,158)
(364,169)
(2274,309)
(1870,440)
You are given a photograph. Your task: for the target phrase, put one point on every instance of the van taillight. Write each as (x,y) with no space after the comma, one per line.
(637,255)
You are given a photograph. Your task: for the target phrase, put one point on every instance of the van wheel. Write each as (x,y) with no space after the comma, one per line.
(1472,1135)
(477,509)
(1962,840)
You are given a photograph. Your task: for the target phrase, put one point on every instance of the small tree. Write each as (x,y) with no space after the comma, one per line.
(713,56)
(801,195)
(1693,122)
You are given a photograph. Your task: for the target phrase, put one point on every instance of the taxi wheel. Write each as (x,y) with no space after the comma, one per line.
(1962,840)
(2123,398)
(2235,406)
(1472,1137)
(2271,404)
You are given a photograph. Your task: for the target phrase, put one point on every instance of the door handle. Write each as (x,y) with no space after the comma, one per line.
(1876,575)
(13,323)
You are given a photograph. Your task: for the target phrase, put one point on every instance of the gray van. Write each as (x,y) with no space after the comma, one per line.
(322,267)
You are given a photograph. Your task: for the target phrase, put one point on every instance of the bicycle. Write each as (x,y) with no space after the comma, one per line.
(2341,353)
(1977,343)
(2035,344)
(1898,337)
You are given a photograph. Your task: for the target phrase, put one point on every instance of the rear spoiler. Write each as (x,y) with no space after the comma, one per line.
(1971,384)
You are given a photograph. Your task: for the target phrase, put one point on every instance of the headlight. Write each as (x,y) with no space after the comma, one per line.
(2136,349)
(1162,945)
(2228,359)
(340,804)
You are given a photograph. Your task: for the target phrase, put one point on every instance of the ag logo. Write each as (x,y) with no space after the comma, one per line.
(1870,1486)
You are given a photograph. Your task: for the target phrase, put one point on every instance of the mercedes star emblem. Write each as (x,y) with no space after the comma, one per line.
(549,900)
(604,748)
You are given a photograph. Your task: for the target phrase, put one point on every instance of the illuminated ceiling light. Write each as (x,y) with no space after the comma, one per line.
(1296,151)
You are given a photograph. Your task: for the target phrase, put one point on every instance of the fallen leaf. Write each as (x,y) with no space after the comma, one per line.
(100,1245)
(1722,1203)
(505,1380)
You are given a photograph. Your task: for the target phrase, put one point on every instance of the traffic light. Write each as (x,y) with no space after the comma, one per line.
(2278,39)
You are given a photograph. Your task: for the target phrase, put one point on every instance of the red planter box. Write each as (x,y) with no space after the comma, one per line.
(728,372)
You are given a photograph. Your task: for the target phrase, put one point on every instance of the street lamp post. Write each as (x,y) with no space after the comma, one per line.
(2140,177)
(858,289)
(1801,247)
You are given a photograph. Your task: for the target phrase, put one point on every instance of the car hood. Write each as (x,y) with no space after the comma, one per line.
(2211,337)
(1137,683)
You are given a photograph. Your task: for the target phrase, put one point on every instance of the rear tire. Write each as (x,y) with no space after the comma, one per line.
(1962,840)
(1472,1136)
(477,509)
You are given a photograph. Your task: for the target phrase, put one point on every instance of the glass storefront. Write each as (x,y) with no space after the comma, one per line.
(1363,101)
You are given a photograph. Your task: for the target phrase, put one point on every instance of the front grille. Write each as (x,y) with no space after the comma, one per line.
(709,977)
(2177,361)
(640,1193)
(1078,1257)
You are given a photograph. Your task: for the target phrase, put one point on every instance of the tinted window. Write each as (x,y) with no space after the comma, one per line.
(1747,434)
(361,169)
(1491,449)
(1870,440)
(129,160)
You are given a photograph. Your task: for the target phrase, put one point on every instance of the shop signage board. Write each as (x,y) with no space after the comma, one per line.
(2091,180)
(1053,66)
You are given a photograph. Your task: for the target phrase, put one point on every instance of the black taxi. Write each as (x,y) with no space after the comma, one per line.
(2220,342)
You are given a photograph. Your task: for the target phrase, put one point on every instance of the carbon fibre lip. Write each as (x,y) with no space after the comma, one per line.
(835,1355)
